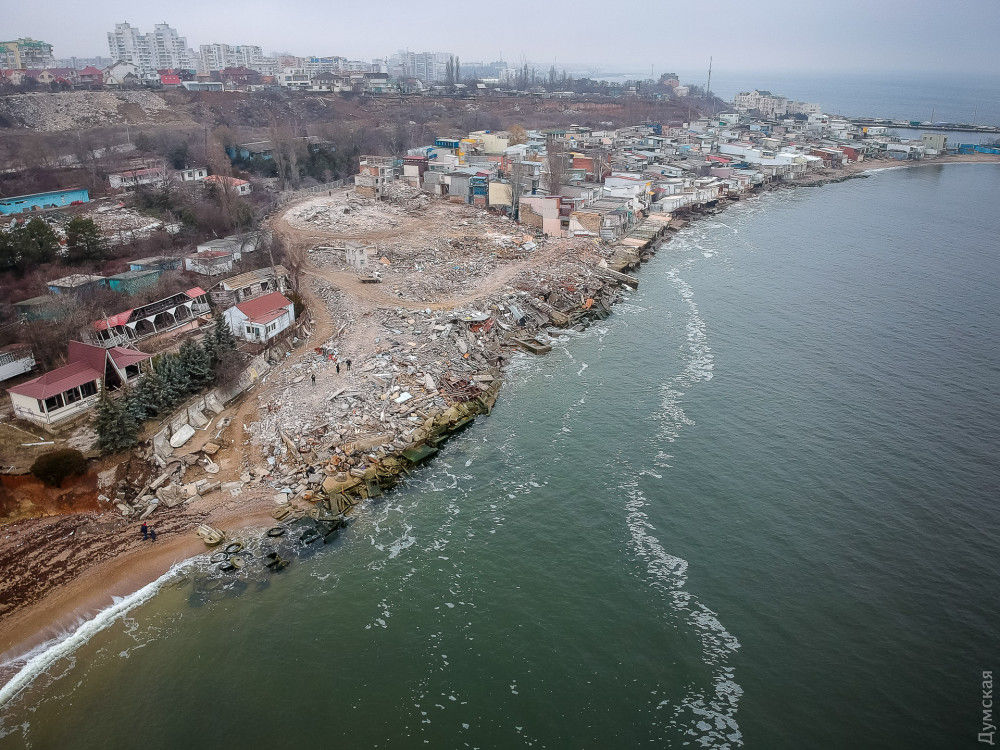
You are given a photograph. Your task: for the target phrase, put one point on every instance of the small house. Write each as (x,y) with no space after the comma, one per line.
(210,263)
(261,319)
(131,178)
(15,359)
(78,283)
(156,263)
(246,286)
(43,307)
(39,201)
(130,282)
(236,185)
(194,174)
(75,387)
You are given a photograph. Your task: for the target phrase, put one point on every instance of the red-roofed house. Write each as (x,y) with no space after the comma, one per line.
(178,312)
(90,76)
(238,186)
(262,318)
(75,387)
(170,80)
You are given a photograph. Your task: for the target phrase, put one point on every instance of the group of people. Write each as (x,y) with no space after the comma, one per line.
(147,532)
(346,362)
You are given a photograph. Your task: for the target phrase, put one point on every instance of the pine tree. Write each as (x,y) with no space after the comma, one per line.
(117,428)
(208,345)
(175,382)
(151,393)
(225,341)
(195,362)
(83,240)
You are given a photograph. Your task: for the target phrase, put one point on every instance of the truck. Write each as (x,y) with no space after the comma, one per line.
(372,277)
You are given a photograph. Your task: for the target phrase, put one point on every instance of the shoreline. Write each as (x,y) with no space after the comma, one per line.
(58,613)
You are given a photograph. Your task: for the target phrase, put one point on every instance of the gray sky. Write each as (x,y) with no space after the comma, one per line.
(799,35)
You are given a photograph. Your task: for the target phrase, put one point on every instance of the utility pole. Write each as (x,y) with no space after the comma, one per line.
(708,86)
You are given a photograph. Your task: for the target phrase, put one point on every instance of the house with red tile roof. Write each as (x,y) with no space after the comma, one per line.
(261,319)
(75,387)
(238,186)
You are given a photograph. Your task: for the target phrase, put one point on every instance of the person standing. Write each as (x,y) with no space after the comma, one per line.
(348,365)
(313,376)
(338,368)
(152,534)
(145,530)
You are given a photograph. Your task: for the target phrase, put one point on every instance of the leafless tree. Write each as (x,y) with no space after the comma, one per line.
(556,166)
(516,175)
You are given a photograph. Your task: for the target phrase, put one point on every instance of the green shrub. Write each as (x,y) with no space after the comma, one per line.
(53,467)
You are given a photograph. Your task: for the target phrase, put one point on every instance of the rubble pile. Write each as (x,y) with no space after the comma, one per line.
(76,110)
(120,224)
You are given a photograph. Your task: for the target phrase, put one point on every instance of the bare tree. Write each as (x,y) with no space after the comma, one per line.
(556,166)
(516,176)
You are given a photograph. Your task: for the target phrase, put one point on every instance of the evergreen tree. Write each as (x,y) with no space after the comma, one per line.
(194,360)
(225,341)
(83,240)
(208,345)
(175,381)
(117,428)
(151,393)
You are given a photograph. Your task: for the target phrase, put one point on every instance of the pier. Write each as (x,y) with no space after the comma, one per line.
(954,127)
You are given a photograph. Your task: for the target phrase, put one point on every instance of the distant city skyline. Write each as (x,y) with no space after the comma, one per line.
(769,35)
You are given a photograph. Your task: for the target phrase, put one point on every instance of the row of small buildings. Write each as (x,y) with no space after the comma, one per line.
(253,305)
(611,178)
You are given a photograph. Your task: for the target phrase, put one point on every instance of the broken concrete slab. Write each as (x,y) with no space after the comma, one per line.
(181,435)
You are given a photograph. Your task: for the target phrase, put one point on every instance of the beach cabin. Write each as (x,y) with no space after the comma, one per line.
(261,319)
(74,388)
(41,201)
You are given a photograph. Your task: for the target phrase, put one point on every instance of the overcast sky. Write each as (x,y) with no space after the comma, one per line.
(762,35)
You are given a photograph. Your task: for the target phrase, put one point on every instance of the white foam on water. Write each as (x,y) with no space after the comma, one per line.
(711,718)
(40,659)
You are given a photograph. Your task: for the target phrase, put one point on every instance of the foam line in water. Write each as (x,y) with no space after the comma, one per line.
(42,658)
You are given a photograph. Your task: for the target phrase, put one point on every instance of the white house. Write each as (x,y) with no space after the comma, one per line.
(75,387)
(262,318)
(210,262)
(193,174)
(15,359)
(134,177)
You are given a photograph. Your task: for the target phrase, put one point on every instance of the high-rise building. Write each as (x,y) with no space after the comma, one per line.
(25,53)
(156,50)
(427,66)
(213,57)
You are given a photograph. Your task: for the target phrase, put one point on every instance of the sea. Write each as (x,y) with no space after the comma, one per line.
(756,507)
(935,97)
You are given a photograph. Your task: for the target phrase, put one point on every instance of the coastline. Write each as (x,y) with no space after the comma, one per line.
(92,590)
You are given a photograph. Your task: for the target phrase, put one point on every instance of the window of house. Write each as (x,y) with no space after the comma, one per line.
(54,402)
(72,396)
(250,330)
(89,389)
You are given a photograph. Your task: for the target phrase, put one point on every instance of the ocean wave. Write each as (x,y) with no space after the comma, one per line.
(708,716)
(40,659)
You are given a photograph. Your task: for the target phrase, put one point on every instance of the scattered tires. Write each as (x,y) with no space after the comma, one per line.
(276,531)
(218,557)
(233,548)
